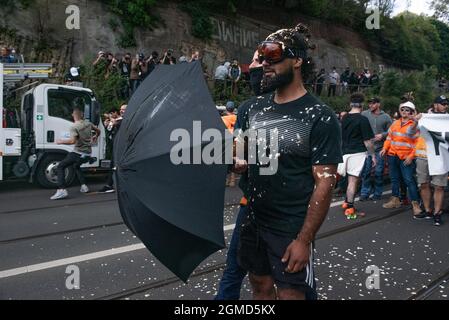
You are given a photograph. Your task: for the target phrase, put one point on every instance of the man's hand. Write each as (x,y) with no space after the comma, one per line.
(383,153)
(297,256)
(240,166)
(378,137)
(417,117)
(408,161)
(94,139)
(374,160)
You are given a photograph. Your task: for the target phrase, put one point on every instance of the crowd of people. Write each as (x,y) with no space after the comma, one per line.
(230,79)
(400,144)
(134,69)
(347,82)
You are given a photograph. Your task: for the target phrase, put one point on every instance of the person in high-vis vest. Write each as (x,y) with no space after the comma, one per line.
(400,149)
(229,120)
(425,180)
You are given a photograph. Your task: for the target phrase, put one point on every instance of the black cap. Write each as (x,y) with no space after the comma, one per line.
(374,100)
(441,100)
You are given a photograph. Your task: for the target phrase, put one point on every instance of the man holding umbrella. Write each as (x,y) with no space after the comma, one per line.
(287,207)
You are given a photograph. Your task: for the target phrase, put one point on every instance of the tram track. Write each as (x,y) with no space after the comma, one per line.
(426,292)
(75,230)
(174,280)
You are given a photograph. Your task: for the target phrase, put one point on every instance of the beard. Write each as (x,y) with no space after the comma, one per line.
(278,81)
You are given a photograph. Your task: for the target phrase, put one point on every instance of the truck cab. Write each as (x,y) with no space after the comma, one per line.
(30,151)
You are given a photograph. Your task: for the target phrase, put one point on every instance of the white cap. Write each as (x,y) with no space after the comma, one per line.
(74,72)
(408,104)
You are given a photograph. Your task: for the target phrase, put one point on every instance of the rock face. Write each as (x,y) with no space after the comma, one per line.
(40,33)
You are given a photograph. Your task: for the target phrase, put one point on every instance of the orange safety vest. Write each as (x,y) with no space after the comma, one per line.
(401,139)
(230,121)
(421,148)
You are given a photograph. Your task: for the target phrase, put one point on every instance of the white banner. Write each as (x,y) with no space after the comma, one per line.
(435,130)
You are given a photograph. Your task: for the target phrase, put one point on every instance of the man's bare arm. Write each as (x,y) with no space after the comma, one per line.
(325,179)
(297,255)
(69,142)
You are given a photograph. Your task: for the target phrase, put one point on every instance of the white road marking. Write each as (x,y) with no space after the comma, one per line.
(97,255)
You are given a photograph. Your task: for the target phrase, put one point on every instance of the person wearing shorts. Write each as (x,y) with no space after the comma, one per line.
(357,136)
(288,197)
(425,180)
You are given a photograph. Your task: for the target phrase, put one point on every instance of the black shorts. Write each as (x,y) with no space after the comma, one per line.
(260,252)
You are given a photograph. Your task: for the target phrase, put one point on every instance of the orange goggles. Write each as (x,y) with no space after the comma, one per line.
(274,52)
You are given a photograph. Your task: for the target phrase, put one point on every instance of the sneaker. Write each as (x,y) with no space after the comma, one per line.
(421,216)
(363,198)
(394,203)
(84,189)
(405,202)
(345,205)
(60,194)
(437,221)
(351,213)
(106,189)
(416,208)
(376,198)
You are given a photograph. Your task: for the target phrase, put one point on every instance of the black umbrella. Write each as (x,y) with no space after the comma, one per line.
(175,210)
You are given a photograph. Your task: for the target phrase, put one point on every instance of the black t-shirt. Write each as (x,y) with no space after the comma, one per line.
(355,130)
(241,112)
(308,134)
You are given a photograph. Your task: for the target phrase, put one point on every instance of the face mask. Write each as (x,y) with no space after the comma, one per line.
(256,76)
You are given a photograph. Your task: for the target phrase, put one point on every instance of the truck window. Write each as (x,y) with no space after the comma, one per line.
(62,102)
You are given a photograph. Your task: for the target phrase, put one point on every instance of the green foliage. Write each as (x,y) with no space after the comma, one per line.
(133,14)
(127,39)
(443,50)
(441,8)
(200,12)
(422,83)
(14,4)
(106,88)
(407,41)
(114,24)
(202,27)
(336,103)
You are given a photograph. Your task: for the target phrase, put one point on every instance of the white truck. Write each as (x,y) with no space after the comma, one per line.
(28,146)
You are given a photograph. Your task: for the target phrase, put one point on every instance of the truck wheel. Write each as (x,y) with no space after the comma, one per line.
(46,175)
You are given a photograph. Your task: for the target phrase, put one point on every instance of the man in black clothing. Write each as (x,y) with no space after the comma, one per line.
(289,198)
(345,79)
(168,58)
(153,61)
(357,135)
(113,128)
(320,79)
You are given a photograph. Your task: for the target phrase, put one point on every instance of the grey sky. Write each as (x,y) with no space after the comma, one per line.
(417,6)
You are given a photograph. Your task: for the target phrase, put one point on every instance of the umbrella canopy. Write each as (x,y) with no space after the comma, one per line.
(175,210)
